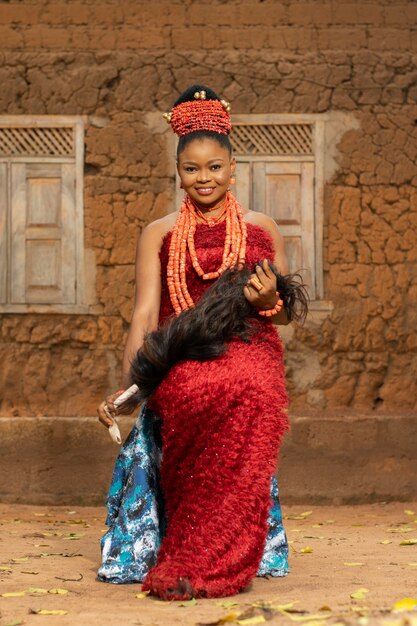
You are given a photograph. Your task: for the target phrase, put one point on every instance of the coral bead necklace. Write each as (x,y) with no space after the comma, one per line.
(234,252)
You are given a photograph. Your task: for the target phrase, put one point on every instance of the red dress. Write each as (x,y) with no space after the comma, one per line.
(223,422)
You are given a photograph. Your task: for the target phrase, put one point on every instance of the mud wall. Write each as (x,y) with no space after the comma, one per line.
(116,62)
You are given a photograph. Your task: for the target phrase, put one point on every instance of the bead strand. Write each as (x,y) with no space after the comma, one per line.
(234,251)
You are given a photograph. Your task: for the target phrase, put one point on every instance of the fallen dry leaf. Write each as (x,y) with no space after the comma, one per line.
(306,618)
(251,621)
(226,619)
(73,536)
(48,612)
(406,604)
(353,564)
(188,603)
(227,604)
(13,594)
(306,550)
(408,542)
(359,594)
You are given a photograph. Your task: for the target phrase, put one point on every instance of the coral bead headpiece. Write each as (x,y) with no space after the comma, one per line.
(200,114)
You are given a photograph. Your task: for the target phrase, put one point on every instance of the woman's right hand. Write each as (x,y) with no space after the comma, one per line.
(107,411)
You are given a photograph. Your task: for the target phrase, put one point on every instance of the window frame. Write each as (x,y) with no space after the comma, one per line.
(77,123)
(319,306)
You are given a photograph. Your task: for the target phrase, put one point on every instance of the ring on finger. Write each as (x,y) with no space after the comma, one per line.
(256,283)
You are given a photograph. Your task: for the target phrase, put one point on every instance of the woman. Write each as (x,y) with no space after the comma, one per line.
(207,512)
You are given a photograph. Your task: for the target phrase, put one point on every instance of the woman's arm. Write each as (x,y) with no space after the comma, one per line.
(280,262)
(145,312)
(147,293)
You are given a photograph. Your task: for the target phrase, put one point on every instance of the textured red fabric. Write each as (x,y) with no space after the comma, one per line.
(223,422)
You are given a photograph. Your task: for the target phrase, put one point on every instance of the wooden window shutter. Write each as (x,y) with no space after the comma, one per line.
(43,255)
(3,232)
(285,192)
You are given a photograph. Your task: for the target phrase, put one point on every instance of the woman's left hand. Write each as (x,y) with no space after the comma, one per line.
(261,288)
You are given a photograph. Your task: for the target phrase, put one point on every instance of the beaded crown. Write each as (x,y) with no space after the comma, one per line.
(200,114)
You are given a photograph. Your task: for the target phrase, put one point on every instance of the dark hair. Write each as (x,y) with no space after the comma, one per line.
(184,140)
(202,332)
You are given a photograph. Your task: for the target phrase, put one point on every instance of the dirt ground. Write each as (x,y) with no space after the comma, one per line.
(49,556)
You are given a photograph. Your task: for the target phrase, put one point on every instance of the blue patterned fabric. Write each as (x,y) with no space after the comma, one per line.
(136,517)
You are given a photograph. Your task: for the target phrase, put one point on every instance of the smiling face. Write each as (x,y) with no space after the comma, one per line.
(205,168)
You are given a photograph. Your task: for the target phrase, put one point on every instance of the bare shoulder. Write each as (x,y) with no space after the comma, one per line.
(156,230)
(260,219)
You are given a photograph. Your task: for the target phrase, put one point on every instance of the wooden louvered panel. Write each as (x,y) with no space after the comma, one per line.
(36,141)
(272,139)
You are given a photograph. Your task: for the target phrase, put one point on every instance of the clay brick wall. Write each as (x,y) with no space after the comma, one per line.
(116,61)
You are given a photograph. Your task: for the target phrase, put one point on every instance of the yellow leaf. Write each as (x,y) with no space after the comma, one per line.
(283,607)
(412,564)
(4,568)
(187,603)
(250,621)
(406,604)
(306,513)
(227,604)
(13,594)
(408,512)
(20,559)
(359,594)
(47,612)
(408,542)
(385,542)
(60,592)
(353,564)
(230,617)
(317,525)
(36,590)
(360,610)
(140,595)
(307,550)
(306,618)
